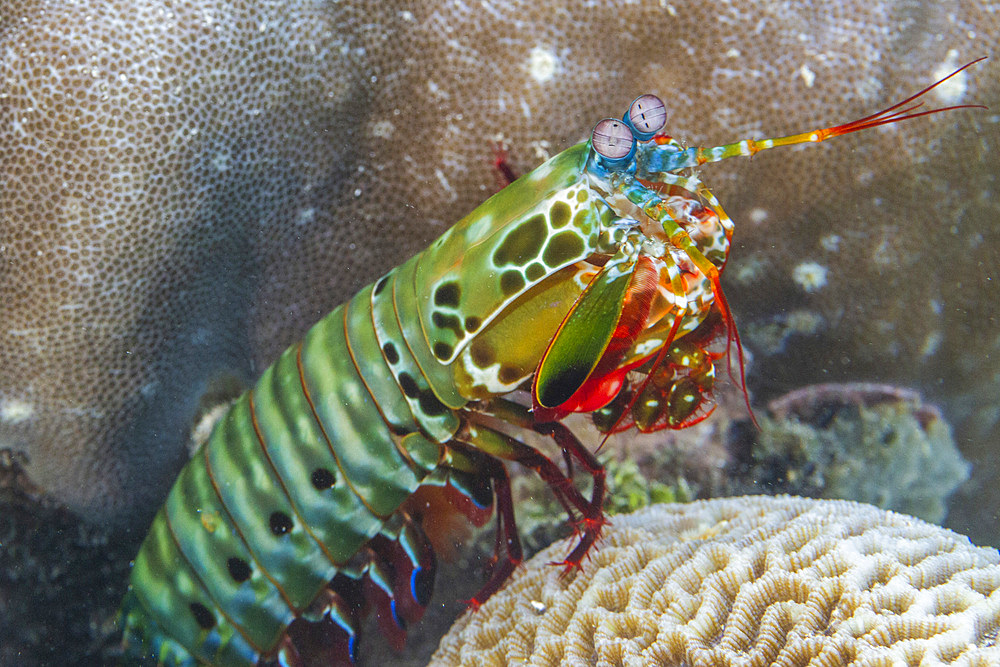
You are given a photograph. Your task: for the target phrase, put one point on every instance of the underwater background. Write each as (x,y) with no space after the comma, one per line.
(186,189)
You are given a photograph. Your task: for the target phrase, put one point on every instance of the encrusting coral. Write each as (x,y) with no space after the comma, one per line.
(876,444)
(746,581)
(187,187)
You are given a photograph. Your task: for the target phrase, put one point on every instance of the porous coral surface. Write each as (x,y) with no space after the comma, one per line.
(746,581)
(187,187)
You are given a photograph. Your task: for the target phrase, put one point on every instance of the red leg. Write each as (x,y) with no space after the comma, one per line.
(593,515)
(506,535)
(505,447)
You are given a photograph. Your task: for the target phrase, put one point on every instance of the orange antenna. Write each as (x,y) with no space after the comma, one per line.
(898,112)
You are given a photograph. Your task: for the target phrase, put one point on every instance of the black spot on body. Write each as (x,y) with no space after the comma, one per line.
(562,248)
(202,616)
(380,285)
(511,282)
(482,355)
(239,569)
(430,405)
(322,479)
(521,245)
(390,353)
(448,321)
(472,323)
(443,351)
(409,385)
(559,214)
(447,294)
(281,523)
(534,271)
(509,375)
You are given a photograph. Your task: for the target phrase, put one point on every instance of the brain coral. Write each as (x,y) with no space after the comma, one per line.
(747,581)
(188,186)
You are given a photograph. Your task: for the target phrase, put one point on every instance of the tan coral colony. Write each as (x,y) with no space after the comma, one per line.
(750,581)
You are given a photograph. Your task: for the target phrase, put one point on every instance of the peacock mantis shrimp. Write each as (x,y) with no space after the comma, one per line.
(593,282)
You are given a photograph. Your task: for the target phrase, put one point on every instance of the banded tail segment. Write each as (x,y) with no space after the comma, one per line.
(279,504)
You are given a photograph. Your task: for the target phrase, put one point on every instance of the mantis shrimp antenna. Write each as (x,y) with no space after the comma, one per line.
(646,121)
(904,110)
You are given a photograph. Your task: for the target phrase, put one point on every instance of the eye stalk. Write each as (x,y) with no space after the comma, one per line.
(646,116)
(614,142)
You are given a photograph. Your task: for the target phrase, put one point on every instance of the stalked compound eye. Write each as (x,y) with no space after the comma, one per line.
(613,141)
(646,116)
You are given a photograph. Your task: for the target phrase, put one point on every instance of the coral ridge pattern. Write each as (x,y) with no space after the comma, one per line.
(747,581)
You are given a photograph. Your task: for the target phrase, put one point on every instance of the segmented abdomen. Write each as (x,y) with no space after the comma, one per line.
(304,469)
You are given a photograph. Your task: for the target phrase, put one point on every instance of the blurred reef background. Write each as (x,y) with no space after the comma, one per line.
(186,188)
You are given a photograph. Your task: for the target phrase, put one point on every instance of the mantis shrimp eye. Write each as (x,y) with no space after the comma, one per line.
(646,116)
(613,141)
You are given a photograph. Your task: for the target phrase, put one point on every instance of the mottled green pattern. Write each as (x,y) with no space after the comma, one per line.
(206,538)
(365,451)
(438,423)
(307,465)
(170,585)
(253,497)
(503,248)
(335,516)
(443,394)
